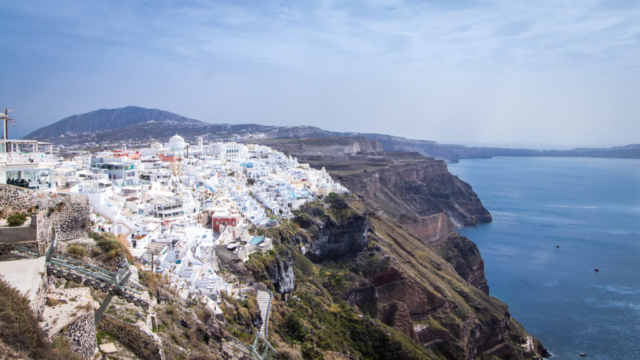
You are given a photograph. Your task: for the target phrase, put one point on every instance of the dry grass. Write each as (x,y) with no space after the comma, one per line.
(112,246)
(125,247)
(20,329)
(85,307)
(77,250)
(55,302)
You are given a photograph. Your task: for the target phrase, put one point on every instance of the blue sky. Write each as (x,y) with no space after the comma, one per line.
(511,73)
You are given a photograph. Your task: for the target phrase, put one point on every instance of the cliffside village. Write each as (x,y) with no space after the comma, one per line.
(181,206)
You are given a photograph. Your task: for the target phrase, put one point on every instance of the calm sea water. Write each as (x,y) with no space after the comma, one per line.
(591,208)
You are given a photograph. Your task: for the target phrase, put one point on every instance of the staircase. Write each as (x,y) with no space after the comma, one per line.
(264,303)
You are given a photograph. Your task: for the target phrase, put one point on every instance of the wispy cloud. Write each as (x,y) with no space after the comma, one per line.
(404,43)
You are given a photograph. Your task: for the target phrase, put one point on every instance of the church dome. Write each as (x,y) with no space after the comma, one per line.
(176,143)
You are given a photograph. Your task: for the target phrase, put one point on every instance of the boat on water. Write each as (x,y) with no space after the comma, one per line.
(596,270)
(583,354)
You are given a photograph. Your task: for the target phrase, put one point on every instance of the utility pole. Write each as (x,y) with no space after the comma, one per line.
(6,124)
(5,118)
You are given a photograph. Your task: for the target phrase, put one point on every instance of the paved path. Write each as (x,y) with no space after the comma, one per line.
(263,303)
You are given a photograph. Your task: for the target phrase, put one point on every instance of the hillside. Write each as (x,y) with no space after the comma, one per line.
(391,252)
(105,119)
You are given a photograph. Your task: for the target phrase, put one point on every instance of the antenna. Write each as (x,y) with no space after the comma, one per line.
(5,117)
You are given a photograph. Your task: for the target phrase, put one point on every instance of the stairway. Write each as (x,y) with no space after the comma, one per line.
(264,302)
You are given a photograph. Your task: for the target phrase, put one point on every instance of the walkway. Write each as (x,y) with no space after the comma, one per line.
(264,302)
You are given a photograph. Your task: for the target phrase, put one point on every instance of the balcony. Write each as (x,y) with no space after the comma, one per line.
(12,152)
(27,158)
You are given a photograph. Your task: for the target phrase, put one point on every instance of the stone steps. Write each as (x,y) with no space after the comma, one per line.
(263,303)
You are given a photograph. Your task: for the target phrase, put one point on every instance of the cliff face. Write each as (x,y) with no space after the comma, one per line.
(429,202)
(419,189)
(281,272)
(333,237)
(432,291)
(465,257)
(390,250)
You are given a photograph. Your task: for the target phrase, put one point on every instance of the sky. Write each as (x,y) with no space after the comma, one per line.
(540,74)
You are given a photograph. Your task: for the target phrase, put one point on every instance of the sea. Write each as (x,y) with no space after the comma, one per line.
(588,207)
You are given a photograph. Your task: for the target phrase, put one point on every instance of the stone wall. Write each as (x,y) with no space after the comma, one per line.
(145,345)
(26,232)
(45,228)
(69,211)
(39,301)
(82,335)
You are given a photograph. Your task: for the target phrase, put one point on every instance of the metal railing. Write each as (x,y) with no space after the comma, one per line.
(266,327)
(261,349)
(24,252)
(27,158)
(114,283)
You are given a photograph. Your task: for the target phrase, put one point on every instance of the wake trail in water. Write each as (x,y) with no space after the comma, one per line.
(573,207)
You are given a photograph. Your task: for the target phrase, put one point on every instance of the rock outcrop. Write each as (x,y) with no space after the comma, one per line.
(342,234)
(281,273)
(465,257)
(396,314)
(418,188)
(364,295)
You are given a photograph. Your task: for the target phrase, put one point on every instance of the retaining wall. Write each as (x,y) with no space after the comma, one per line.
(73,216)
(145,345)
(82,335)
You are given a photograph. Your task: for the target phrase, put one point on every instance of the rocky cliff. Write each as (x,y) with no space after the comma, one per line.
(465,257)
(433,293)
(418,189)
(281,272)
(390,250)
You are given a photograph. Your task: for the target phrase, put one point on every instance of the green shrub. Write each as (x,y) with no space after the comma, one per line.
(311,352)
(331,197)
(16,219)
(295,327)
(77,250)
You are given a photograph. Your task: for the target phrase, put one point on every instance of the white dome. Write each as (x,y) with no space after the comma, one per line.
(176,143)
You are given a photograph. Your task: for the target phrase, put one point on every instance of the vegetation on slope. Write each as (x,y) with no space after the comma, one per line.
(20,330)
(336,309)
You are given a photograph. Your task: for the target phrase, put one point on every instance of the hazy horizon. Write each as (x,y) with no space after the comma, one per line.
(539,74)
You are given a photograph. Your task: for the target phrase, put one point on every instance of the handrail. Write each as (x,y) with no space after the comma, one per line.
(54,243)
(266,327)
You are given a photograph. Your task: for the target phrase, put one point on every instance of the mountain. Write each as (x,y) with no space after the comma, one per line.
(106,119)
(143,125)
